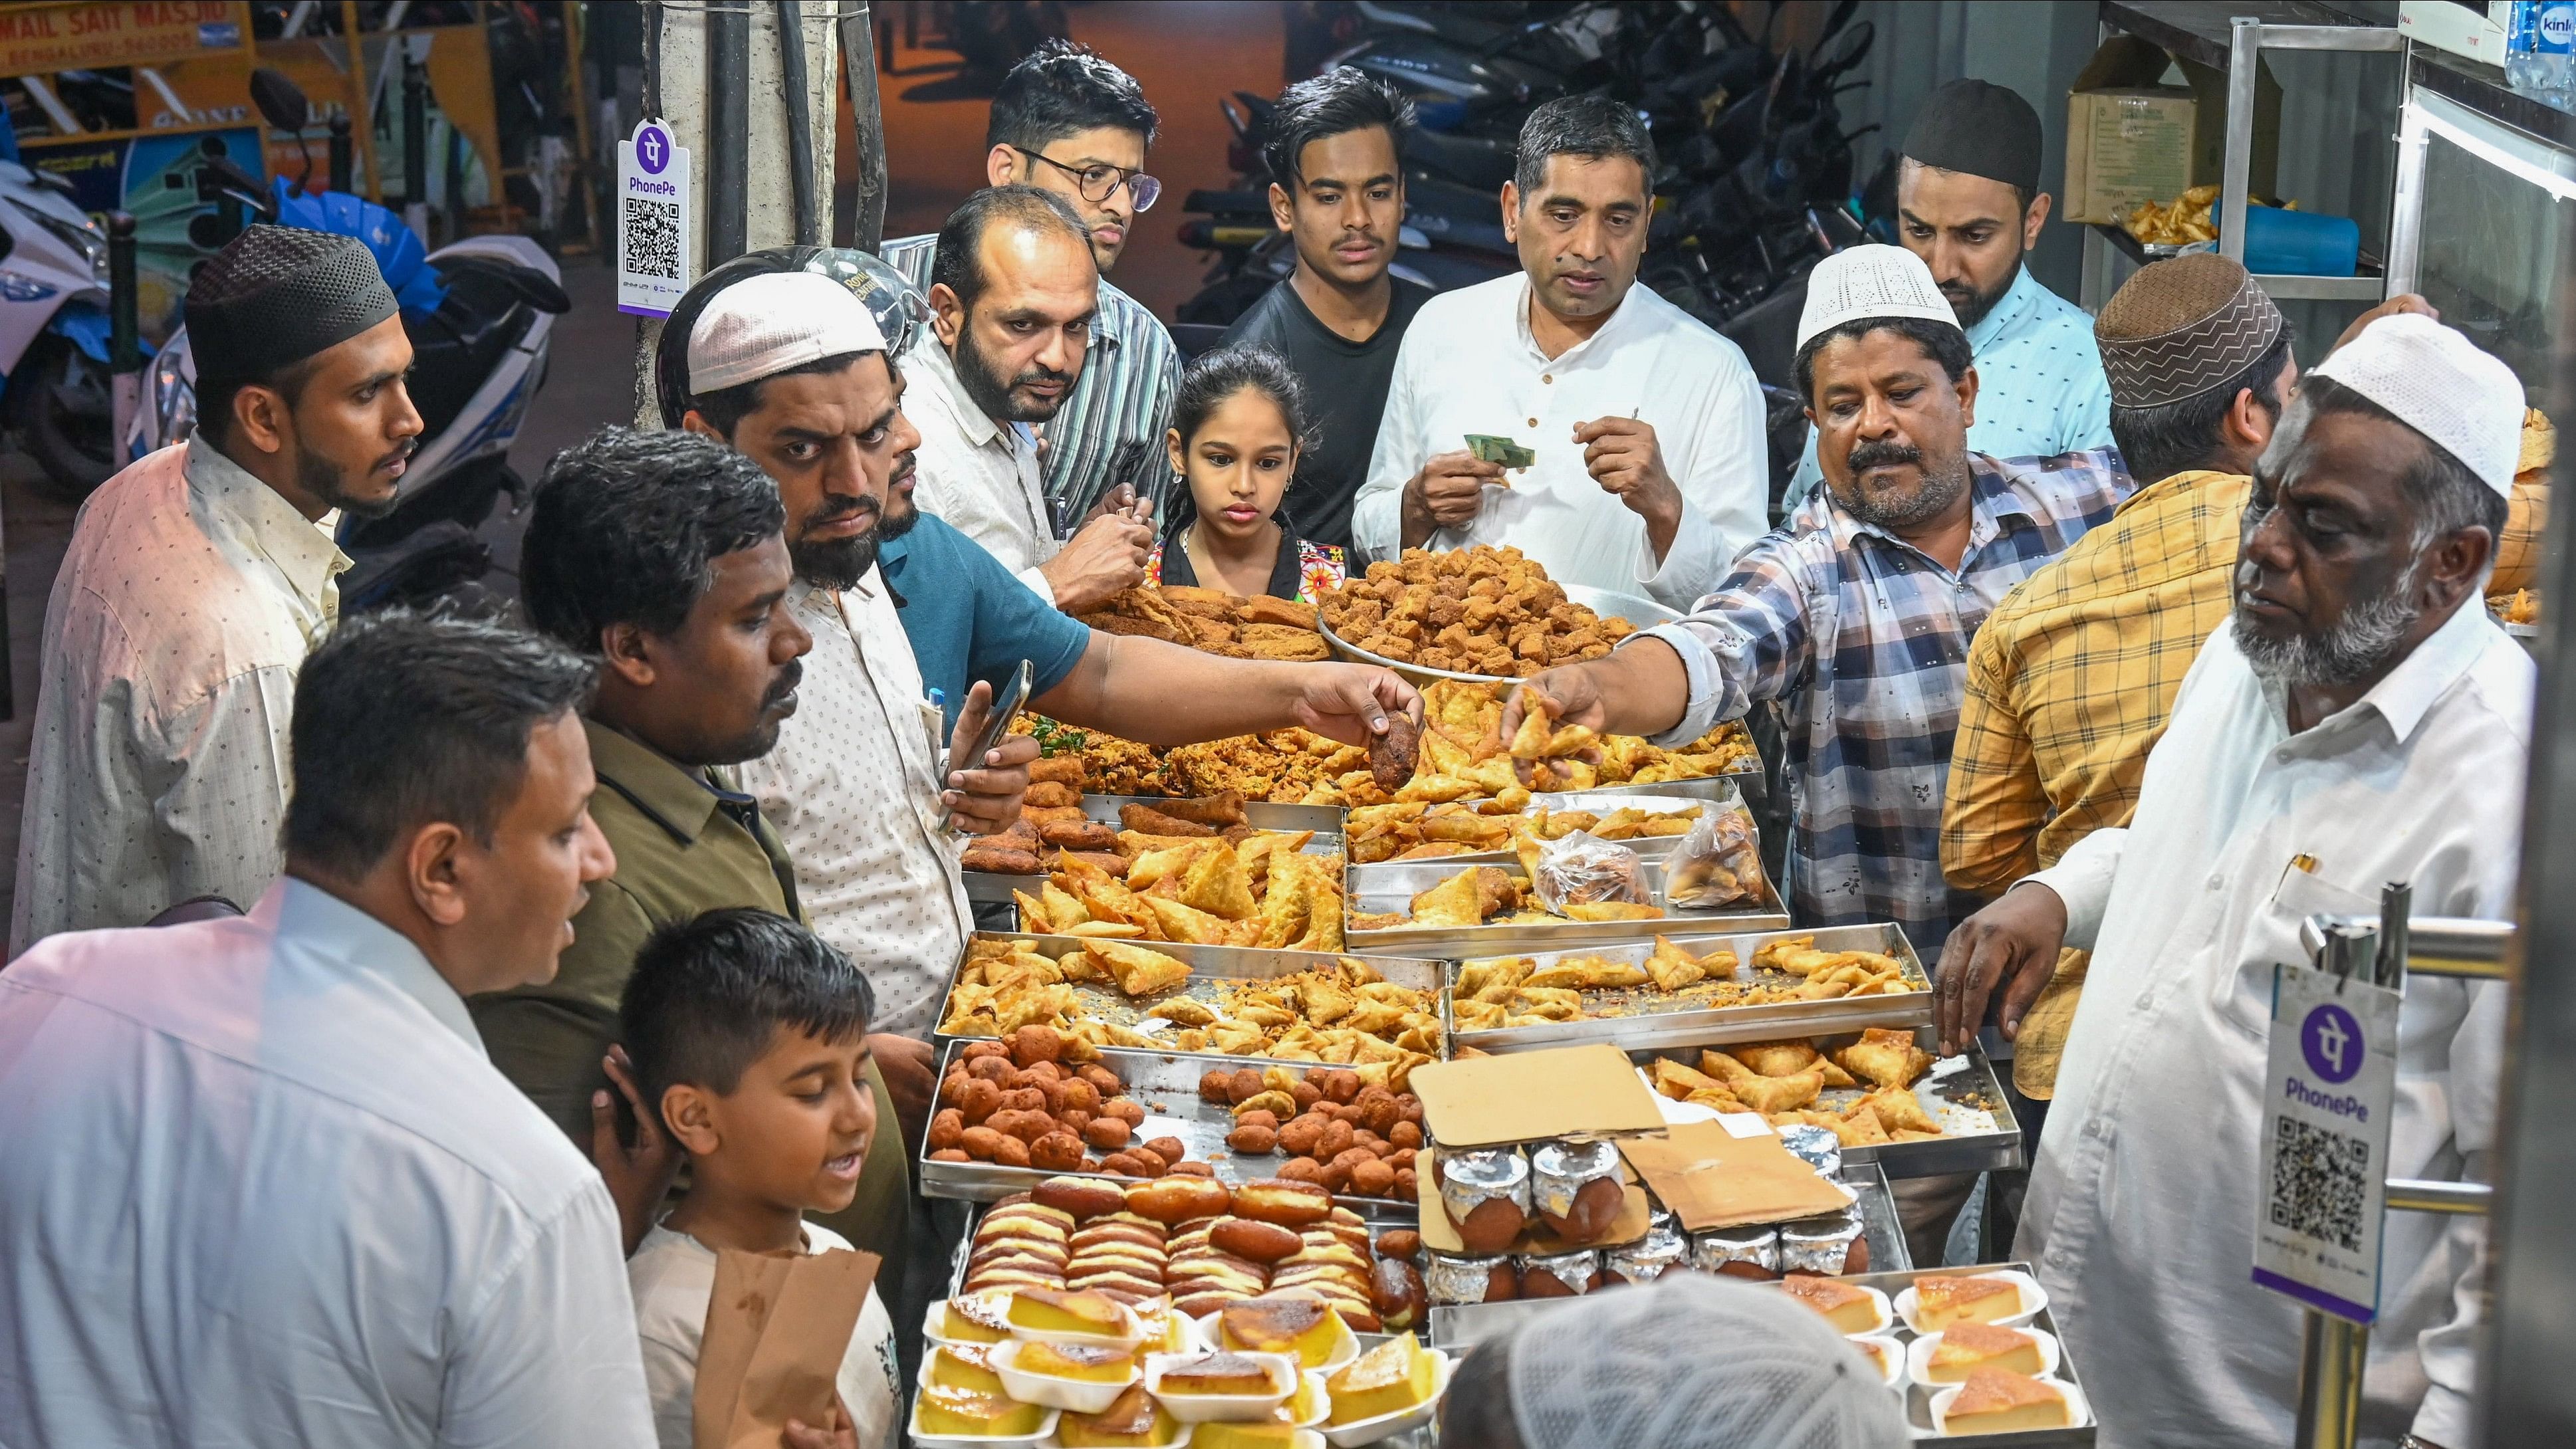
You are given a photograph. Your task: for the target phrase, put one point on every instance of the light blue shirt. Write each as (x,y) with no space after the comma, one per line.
(2040,388)
(259,1186)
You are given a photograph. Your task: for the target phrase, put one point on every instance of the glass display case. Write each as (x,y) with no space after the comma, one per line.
(2482,220)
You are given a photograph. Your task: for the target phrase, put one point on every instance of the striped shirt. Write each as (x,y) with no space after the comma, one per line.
(1862,641)
(1110,430)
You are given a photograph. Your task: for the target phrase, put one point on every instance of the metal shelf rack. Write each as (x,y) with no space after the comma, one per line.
(2231,35)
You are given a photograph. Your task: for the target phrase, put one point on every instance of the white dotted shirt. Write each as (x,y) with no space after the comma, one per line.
(158,770)
(852,788)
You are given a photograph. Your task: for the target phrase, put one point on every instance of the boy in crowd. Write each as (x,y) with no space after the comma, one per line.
(1337,188)
(749,1037)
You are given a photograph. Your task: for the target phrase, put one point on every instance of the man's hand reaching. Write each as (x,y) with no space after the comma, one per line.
(983,796)
(1107,555)
(1448,493)
(2010,946)
(1351,702)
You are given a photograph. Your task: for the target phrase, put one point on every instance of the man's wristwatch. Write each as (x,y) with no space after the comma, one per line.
(2415,1441)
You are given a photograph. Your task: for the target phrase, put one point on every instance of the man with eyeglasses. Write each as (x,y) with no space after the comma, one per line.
(1069,122)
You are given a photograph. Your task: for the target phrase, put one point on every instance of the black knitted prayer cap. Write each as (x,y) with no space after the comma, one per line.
(1981,129)
(276,295)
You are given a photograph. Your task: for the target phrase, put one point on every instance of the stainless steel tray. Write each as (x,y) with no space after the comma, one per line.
(1962,1093)
(989,888)
(1662,1019)
(1391,885)
(1167,1083)
(1457,1328)
(1603,802)
(1210,967)
(1644,613)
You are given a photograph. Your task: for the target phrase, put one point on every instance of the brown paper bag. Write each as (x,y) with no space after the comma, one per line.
(777,1327)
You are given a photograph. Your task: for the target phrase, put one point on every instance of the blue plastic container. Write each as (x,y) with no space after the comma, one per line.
(2299,243)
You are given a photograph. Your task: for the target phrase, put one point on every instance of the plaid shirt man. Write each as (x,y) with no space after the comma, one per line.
(1862,641)
(1110,430)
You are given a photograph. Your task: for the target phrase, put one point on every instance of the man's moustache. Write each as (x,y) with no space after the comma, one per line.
(788,678)
(1875,454)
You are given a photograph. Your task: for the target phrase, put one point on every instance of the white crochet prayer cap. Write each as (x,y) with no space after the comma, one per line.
(761,326)
(1694,1361)
(1868,282)
(2440,384)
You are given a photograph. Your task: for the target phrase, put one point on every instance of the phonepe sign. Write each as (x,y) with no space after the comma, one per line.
(656,226)
(2330,1088)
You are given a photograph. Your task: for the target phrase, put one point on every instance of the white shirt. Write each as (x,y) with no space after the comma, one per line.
(981,476)
(262,1189)
(158,769)
(1469,365)
(673,1277)
(2144,1198)
(852,788)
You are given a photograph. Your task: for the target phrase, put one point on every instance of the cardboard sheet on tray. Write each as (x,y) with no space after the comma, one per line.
(1712,1178)
(1647,1016)
(1485,1101)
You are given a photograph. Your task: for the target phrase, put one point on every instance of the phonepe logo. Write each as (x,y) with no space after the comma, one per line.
(2331,1041)
(653,150)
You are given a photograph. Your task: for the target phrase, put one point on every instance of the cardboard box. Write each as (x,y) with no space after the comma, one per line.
(2130,137)
(1712,1177)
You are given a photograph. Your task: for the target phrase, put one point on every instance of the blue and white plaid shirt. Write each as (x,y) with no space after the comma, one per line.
(1862,640)
(1110,429)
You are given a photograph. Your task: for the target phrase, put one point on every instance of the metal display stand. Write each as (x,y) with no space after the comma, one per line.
(2231,35)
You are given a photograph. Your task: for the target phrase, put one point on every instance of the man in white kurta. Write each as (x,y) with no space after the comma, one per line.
(2145,1196)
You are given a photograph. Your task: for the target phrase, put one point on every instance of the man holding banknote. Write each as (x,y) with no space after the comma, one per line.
(1519,403)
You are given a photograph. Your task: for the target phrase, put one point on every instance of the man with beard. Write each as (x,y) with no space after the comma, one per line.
(1856,614)
(1073,125)
(663,557)
(2359,719)
(196,581)
(1013,301)
(1623,397)
(1968,203)
(1335,153)
(872,571)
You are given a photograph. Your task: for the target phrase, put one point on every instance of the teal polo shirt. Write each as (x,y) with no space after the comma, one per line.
(969,618)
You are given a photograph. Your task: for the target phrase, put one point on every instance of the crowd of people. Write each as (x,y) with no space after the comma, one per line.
(406,1010)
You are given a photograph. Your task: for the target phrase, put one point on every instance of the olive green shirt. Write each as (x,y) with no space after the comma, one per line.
(686,842)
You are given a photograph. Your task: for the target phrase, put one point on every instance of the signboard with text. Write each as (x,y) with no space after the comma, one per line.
(2330,1089)
(655,237)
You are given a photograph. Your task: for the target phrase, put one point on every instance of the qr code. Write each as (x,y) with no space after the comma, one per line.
(651,240)
(2318,1182)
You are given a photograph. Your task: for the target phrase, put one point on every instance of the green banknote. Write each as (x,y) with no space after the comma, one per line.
(1500,450)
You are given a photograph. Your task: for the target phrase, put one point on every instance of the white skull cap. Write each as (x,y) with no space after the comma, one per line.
(2442,385)
(761,326)
(1867,282)
(1694,1361)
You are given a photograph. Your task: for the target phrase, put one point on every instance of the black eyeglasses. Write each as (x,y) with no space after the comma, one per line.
(1099,181)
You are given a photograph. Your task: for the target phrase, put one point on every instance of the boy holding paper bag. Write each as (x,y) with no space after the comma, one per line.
(749,1038)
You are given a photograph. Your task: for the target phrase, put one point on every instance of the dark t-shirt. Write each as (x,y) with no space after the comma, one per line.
(1346,384)
(969,618)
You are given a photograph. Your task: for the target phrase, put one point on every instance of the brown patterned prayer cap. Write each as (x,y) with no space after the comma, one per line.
(2181,327)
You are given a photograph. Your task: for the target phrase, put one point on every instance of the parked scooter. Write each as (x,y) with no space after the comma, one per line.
(478,313)
(54,330)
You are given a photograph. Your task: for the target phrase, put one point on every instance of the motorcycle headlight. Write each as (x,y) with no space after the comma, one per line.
(174,400)
(82,236)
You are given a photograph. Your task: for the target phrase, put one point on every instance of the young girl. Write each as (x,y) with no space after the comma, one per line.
(1239,423)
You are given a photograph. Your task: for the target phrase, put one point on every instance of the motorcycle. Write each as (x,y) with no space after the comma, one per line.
(478,313)
(54,331)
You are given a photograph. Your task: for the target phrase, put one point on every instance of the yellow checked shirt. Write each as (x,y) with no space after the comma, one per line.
(2073,676)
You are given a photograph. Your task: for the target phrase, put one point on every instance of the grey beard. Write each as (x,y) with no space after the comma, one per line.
(2355,648)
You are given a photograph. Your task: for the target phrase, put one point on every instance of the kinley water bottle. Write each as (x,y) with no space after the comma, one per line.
(2537,49)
